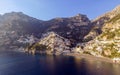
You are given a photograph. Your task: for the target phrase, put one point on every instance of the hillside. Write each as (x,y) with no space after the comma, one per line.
(16,29)
(99,37)
(50,43)
(108,43)
(100,21)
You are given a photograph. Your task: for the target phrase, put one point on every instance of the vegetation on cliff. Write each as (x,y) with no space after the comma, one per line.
(108,43)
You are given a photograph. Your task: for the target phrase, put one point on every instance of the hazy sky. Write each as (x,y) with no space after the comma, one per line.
(48,9)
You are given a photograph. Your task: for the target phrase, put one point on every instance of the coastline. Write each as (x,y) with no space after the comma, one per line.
(86,56)
(90,57)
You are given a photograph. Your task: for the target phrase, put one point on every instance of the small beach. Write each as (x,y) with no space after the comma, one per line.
(90,57)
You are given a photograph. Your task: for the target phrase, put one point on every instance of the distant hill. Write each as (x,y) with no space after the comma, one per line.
(15,25)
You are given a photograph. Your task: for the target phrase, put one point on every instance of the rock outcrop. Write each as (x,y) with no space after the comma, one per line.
(15,25)
(78,25)
(51,43)
(100,21)
(108,43)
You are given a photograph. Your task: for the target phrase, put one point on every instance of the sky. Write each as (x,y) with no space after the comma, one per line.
(48,9)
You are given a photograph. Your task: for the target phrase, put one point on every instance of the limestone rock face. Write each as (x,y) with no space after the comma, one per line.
(101,21)
(108,43)
(69,27)
(16,24)
(54,43)
(107,16)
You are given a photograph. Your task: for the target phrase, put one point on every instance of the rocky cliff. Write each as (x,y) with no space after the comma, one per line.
(51,43)
(77,34)
(107,44)
(100,21)
(16,27)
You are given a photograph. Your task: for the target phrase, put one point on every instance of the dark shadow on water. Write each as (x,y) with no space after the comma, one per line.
(18,63)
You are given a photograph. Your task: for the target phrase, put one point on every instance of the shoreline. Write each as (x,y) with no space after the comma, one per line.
(90,57)
(86,56)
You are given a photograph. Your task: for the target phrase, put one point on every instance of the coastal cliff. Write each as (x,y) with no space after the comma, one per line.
(77,35)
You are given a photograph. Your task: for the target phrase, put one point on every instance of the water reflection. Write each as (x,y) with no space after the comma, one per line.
(59,65)
(15,63)
(93,67)
(65,65)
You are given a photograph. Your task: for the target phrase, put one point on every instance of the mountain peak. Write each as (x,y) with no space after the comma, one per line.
(80,18)
(14,13)
(80,15)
